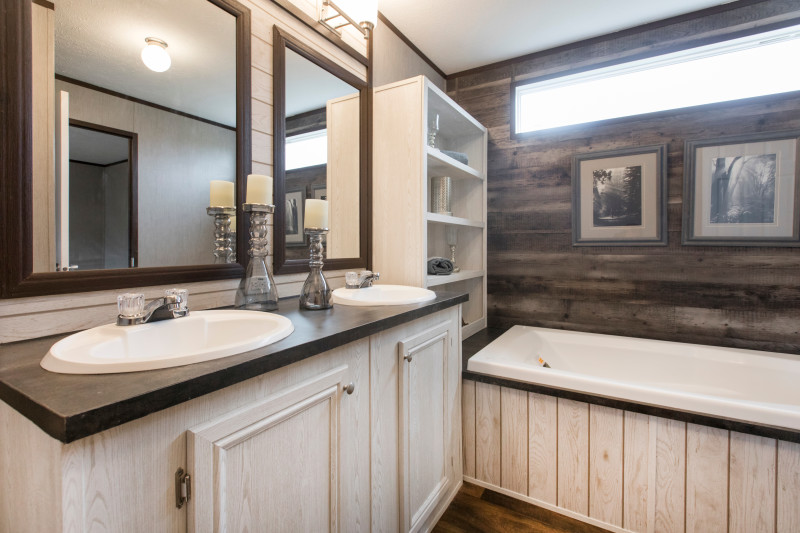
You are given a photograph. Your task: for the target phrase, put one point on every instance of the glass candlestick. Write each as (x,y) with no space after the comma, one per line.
(223,238)
(316,293)
(257,291)
(451,234)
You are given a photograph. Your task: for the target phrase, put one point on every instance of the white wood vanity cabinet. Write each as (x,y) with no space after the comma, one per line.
(364,437)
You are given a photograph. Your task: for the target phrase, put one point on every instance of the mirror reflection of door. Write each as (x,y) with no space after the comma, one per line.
(102,199)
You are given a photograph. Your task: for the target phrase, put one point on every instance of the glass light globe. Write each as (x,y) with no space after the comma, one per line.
(155,56)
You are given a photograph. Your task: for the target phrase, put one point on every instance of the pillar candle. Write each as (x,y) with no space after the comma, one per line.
(259,189)
(316,215)
(221,194)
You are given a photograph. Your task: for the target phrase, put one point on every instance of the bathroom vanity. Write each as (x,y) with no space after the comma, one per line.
(349,424)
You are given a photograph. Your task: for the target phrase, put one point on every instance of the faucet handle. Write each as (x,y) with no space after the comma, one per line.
(130,304)
(181,296)
(351,280)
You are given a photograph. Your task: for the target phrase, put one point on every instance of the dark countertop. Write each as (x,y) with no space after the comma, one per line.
(69,407)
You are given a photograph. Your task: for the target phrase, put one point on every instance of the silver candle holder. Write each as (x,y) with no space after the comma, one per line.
(257,290)
(223,239)
(316,293)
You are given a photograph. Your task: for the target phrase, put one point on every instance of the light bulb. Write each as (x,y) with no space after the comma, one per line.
(155,56)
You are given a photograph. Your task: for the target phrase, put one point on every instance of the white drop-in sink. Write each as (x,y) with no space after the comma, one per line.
(200,336)
(382,295)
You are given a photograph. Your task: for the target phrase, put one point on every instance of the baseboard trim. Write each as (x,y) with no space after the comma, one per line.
(548,506)
(434,518)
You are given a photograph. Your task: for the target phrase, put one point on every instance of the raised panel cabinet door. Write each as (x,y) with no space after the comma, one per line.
(424,424)
(274,465)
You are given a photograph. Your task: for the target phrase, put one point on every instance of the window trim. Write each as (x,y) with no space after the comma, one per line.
(696,43)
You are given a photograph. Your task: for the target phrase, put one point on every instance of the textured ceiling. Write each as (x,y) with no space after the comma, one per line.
(462,34)
(308,86)
(100,42)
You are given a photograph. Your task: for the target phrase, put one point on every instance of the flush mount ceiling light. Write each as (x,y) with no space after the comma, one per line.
(155,56)
(361,14)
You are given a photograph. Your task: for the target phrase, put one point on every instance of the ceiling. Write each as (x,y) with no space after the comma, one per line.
(458,35)
(309,87)
(100,42)
(97,147)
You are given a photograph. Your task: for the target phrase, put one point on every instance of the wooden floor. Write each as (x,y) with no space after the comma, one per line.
(476,509)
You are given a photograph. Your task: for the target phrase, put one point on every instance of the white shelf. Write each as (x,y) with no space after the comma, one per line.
(454,277)
(440,164)
(456,221)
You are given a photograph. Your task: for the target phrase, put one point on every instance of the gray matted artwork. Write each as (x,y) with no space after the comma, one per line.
(617,196)
(743,189)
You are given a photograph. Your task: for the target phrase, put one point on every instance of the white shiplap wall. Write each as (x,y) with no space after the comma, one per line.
(626,471)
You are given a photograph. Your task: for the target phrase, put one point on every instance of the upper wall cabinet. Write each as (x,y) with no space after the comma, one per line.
(429,193)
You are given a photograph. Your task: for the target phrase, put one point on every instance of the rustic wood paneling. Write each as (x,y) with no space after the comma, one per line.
(751,506)
(732,296)
(514,439)
(573,456)
(543,447)
(706,479)
(605,464)
(487,433)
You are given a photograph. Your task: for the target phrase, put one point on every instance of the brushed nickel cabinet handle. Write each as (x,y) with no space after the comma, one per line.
(349,388)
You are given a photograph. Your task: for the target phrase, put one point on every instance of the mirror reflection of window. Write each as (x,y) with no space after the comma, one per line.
(321,153)
(307,149)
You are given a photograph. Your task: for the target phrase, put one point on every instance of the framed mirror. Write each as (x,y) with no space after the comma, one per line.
(110,156)
(321,151)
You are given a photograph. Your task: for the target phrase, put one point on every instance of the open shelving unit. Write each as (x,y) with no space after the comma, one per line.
(407,231)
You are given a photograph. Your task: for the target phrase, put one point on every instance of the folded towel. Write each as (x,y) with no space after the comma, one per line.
(458,156)
(439,266)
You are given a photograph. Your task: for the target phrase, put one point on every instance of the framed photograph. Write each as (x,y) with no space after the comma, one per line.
(321,193)
(742,191)
(295,203)
(619,197)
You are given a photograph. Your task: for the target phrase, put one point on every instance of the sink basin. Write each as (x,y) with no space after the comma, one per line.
(201,336)
(382,295)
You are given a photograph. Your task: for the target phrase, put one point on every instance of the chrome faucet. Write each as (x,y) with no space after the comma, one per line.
(362,279)
(132,311)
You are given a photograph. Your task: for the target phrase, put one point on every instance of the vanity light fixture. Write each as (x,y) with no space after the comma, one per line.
(361,14)
(155,56)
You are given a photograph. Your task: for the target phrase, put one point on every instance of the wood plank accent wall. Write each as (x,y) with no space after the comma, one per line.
(626,471)
(732,296)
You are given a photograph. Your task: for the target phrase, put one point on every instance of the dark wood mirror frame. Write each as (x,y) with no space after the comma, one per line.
(16,229)
(282,265)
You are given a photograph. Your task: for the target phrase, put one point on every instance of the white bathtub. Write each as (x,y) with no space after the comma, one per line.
(743,385)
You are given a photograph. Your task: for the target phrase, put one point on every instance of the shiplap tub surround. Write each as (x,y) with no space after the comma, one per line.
(627,471)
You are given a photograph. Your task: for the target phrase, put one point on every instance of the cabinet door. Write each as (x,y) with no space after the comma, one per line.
(275,465)
(424,424)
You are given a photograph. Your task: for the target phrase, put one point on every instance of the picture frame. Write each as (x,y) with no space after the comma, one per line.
(619,197)
(742,190)
(321,192)
(295,204)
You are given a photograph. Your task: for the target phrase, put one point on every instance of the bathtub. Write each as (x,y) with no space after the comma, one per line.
(748,386)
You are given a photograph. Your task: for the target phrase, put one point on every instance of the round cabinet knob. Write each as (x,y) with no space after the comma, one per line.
(349,388)
(408,357)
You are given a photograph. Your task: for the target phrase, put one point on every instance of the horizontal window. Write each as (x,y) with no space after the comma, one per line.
(742,68)
(307,149)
